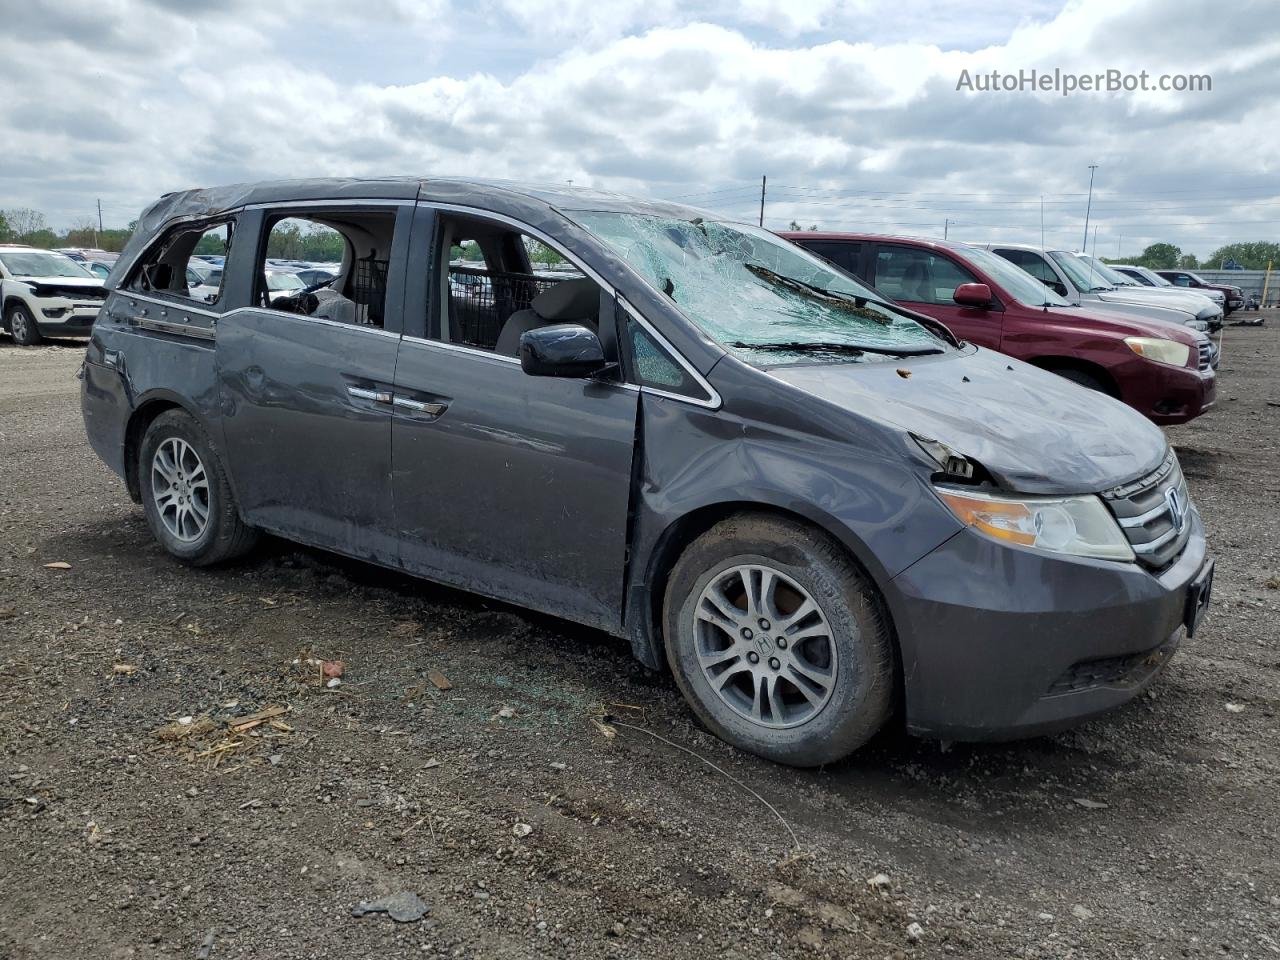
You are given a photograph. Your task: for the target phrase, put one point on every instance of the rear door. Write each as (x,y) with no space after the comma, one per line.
(507,484)
(306,398)
(925,280)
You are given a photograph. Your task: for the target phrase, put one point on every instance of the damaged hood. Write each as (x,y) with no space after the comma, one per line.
(1033,431)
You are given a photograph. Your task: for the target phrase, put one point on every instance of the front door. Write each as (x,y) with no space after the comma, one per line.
(925,280)
(507,484)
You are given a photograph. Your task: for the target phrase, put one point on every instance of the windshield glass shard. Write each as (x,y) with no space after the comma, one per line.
(751,290)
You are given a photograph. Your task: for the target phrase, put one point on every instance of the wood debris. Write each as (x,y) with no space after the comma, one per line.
(178,731)
(243,724)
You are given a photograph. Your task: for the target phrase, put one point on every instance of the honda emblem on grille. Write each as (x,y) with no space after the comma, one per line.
(1177,508)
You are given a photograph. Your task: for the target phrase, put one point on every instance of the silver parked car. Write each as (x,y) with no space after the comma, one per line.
(1080,281)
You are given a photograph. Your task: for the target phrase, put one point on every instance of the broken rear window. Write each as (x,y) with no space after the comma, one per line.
(765,299)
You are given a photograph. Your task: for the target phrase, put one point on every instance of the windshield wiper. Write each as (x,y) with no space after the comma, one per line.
(846,301)
(855,349)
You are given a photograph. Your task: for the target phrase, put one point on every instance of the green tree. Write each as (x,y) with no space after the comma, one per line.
(83,233)
(1188,261)
(1252,256)
(44,237)
(541,253)
(4,227)
(26,224)
(1160,256)
(114,238)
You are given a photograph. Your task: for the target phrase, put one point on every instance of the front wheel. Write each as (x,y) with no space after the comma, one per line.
(779,642)
(22,326)
(185,493)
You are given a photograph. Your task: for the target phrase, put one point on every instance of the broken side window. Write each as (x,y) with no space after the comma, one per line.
(331,265)
(187,263)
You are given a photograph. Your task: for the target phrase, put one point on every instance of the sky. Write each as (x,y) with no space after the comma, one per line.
(851,109)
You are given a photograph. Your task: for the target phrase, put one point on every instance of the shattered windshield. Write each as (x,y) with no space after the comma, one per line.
(766,300)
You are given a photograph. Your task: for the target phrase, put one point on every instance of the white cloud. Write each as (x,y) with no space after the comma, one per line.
(855,126)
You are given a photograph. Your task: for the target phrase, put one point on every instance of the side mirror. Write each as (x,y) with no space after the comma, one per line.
(1057,286)
(561,350)
(972,295)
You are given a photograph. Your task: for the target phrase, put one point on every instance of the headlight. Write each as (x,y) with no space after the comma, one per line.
(1080,526)
(1161,351)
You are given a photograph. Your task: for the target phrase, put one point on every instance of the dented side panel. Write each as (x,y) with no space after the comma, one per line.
(308,438)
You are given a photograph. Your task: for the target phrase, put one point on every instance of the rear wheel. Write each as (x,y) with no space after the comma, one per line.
(22,326)
(779,642)
(188,502)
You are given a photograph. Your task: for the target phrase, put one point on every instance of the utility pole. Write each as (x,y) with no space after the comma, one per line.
(1119,237)
(946,226)
(100,230)
(763,180)
(1089,205)
(1095,239)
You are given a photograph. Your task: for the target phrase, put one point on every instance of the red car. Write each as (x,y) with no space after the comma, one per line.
(1161,369)
(1185,278)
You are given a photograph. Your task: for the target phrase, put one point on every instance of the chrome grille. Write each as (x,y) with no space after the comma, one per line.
(1148,509)
(1206,354)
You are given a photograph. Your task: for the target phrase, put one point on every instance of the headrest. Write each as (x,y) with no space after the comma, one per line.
(568,300)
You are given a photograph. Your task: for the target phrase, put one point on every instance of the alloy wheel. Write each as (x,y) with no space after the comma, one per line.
(765,646)
(180,488)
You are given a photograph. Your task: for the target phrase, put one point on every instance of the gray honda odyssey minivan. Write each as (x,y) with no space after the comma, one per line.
(818,509)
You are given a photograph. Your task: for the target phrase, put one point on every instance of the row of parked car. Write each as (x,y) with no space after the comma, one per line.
(1151,347)
(59,292)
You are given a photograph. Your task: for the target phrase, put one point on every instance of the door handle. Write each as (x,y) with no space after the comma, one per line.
(431,408)
(364,393)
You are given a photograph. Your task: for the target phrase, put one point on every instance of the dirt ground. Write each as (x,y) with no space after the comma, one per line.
(524,827)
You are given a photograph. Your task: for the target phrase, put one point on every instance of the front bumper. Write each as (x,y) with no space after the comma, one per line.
(72,319)
(1177,395)
(1000,642)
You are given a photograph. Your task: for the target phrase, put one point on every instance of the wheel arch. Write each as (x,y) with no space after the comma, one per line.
(1054,364)
(145,411)
(11,301)
(647,591)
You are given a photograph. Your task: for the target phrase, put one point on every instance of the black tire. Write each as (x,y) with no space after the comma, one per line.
(862,692)
(224,534)
(1084,378)
(22,326)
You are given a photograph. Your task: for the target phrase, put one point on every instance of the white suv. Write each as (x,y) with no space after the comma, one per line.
(43,293)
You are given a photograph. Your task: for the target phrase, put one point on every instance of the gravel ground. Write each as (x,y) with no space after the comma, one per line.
(530,830)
